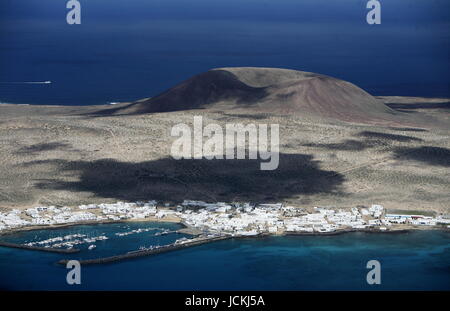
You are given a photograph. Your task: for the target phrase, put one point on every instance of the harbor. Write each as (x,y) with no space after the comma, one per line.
(38,248)
(202,222)
(151,251)
(238,262)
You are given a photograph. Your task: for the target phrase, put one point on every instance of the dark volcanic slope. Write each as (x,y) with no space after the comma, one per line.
(268,90)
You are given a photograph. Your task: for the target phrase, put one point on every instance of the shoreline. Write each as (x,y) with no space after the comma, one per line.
(93,222)
(190,231)
(147,252)
(194,231)
(175,247)
(41,249)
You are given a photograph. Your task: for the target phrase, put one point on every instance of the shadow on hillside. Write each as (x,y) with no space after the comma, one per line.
(372,139)
(253,116)
(43,147)
(346,145)
(197,92)
(430,155)
(386,136)
(403,107)
(408,129)
(175,180)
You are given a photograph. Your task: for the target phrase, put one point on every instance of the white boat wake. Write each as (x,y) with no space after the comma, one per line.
(28,82)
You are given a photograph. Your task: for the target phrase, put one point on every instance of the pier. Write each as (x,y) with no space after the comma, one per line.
(42,249)
(148,252)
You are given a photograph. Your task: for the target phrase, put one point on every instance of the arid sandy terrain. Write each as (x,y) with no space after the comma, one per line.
(73,155)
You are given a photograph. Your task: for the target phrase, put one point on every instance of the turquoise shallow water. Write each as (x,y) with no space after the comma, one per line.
(409,261)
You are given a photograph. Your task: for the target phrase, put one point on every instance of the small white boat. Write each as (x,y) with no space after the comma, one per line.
(91,247)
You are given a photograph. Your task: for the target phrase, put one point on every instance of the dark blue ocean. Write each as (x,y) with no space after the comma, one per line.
(127,50)
(409,261)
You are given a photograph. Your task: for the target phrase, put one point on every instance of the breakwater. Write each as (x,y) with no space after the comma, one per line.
(42,249)
(148,252)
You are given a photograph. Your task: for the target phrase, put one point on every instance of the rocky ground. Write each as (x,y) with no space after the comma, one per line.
(73,155)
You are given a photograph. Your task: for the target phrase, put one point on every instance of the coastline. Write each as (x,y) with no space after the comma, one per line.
(208,224)
(286,255)
(199,240)
(190,230)
(42,249)
(147,252)
(175,247)
(93,222)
